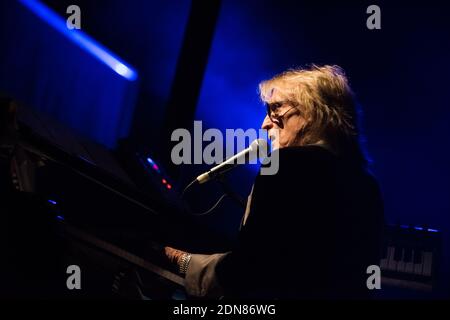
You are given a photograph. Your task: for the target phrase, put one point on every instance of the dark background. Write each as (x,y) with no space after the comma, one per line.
(399,74)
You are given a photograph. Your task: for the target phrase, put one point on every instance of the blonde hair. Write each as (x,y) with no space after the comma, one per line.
(326,102)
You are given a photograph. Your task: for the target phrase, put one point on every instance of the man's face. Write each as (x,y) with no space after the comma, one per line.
(283,129)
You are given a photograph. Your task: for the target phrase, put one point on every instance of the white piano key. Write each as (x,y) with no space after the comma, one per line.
(401,263)
(385,262)
(409,266)
(427,263)
(392,264)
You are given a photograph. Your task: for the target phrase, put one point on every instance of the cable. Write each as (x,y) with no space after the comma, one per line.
(212,208)
(201,213)
(187,187)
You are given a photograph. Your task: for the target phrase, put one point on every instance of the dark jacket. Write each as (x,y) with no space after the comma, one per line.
(313,229)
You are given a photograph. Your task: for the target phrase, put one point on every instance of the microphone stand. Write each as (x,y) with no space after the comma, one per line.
(230,192)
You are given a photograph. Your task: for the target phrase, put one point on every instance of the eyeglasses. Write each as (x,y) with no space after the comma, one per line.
(272,107)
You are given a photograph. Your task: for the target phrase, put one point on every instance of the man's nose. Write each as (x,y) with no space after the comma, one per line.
(267,123)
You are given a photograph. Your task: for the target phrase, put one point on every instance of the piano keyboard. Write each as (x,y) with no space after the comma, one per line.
(410,257)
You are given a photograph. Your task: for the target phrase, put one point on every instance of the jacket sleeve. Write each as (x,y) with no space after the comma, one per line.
(201,278)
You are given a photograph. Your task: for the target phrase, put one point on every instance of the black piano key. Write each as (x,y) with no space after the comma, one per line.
(417,256)
(408,255)
(384,252)
(398,254)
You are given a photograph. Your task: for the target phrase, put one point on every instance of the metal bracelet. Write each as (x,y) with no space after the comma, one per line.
(185,259)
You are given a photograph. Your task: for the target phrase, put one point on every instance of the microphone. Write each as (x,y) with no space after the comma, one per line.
(247,154)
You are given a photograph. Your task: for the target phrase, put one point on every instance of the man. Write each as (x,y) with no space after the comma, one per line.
(312,229)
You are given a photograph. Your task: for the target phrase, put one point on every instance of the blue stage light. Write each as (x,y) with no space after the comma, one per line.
(86,42)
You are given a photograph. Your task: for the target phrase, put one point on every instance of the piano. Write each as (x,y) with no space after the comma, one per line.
(64,206)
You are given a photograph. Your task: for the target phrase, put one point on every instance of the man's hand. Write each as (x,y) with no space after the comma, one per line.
(174,255)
